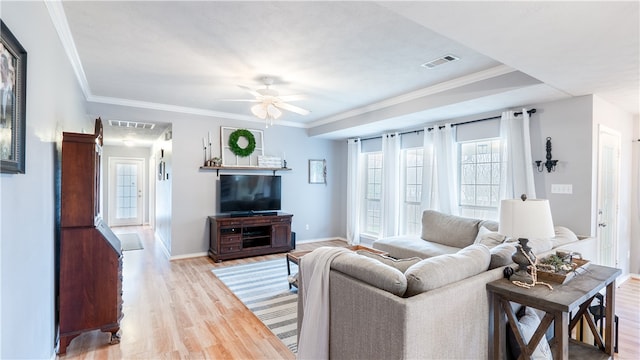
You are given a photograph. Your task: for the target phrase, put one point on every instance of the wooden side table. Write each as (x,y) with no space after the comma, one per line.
(294,257)
(557,303)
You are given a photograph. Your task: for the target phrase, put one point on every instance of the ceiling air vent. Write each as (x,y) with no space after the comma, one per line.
(131,124)
(439,61)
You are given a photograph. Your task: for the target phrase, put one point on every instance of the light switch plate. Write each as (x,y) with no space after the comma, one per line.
(561,188)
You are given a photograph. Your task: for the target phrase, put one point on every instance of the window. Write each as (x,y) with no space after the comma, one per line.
(479,169)
(373,194)
(411,216)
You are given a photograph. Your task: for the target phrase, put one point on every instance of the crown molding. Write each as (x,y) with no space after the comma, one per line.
(59,19)
(430,90)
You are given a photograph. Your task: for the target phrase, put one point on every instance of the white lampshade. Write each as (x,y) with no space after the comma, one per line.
(526,219)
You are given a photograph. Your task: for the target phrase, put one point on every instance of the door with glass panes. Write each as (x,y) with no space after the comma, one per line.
(125,191)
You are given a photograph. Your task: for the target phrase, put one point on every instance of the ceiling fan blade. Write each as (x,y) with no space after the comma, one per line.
(241,100)
(288,98)
(250,90)
(289,107)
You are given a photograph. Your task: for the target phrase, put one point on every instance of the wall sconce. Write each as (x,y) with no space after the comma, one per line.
(549,164)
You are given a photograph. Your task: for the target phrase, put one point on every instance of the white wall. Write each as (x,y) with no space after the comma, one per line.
(568,123)
(604,113)
(573,126)
(194,190)
(27,222)
(163,151)
(634,264)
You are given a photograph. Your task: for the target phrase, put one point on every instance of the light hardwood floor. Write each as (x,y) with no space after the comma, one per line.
(180,310)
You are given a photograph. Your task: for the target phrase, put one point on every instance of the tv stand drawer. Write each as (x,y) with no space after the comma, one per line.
(230,240)
(230,248)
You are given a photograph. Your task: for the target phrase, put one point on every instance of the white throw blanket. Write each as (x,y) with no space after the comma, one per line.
(313,341)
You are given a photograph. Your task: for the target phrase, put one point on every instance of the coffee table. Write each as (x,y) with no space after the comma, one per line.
(294,257)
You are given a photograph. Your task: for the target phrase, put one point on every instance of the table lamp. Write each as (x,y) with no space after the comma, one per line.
(525,219)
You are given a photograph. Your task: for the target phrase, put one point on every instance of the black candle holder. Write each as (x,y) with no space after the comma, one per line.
(549,164)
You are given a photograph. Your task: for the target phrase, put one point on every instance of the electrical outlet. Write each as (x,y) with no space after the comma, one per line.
(561,188)
(306,227)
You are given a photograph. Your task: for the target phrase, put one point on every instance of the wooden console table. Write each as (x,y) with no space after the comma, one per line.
(577,295)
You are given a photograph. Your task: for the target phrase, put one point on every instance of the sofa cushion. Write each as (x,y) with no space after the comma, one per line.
(371,271)
(406,246)
(438,271)
(563,236)
(400,264)
(489,224)
(537,245)
(489,238)
(448,230)
(501,255)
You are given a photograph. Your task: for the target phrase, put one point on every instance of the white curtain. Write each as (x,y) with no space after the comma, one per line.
(353,191)
(390,185)
(517,170)
(440,171)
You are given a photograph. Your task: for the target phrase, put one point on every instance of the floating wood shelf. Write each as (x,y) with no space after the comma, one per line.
(236,168)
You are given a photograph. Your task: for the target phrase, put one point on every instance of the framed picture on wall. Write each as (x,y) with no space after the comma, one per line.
(317,171)
(13,91)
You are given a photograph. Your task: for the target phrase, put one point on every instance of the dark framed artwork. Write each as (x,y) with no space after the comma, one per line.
(13,101)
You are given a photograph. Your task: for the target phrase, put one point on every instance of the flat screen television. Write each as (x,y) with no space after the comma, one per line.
(249,194)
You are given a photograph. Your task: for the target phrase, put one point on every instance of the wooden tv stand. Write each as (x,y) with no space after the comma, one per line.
(232,237)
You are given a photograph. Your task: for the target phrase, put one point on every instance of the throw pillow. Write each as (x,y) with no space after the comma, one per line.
(400,264)
(371,271)
(563,236)
(438,271)
(501,255)
(489,238)
(448,229)
(528,322)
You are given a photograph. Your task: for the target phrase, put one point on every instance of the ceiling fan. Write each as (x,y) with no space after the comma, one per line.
(270,102)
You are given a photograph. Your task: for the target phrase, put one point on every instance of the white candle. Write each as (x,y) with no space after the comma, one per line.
(204,144)
(209,137)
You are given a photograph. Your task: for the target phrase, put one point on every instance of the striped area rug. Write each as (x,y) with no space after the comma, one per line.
(263,287)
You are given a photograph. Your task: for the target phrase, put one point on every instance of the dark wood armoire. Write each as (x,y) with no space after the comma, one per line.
(90,255)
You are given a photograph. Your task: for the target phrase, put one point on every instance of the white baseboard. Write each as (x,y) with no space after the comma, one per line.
(188,256)
(319,239)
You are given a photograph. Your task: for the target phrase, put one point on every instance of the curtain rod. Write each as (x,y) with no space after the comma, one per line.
(532,111)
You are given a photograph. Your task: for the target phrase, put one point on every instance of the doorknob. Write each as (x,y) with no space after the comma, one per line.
(602,224)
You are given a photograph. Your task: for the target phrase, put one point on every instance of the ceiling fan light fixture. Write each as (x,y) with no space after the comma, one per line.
(259,110)
(267,111)
(273,111)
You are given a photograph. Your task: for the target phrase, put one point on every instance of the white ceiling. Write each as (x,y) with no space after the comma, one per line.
(358,63)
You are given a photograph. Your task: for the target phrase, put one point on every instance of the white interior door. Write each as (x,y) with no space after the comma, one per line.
(608,179)
(125,191)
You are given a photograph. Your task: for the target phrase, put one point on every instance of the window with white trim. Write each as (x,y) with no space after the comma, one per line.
(411,215)
(479,168)
(373,194)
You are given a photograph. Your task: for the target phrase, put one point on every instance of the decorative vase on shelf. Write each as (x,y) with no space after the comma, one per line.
(523,261)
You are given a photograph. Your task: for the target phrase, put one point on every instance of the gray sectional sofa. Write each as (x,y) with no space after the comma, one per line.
(430,302)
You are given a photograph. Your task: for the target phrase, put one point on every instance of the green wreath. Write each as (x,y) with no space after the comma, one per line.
(233,142)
